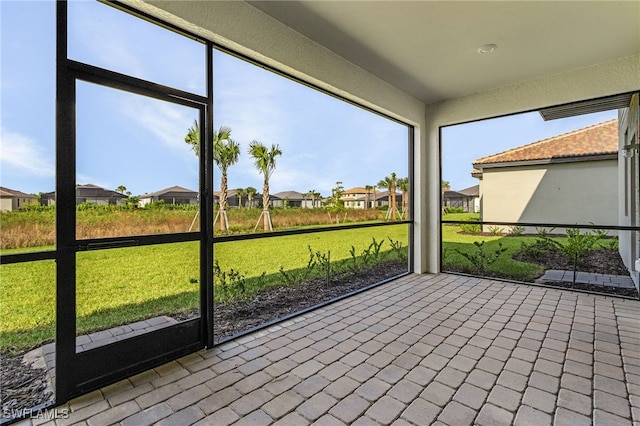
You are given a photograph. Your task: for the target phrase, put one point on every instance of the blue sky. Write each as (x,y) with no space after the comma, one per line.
(129,140)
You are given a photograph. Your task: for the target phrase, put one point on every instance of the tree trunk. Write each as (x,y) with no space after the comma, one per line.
(265,204)
(223,202)
(392,198)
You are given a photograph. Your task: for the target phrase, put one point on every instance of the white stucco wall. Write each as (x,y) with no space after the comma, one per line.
(629,188)
(567,193)
(245,29)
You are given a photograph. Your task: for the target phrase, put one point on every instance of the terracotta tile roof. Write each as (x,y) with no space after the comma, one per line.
(598,139)
(356,190)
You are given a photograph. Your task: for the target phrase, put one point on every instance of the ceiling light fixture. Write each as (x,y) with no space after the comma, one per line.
(487,48)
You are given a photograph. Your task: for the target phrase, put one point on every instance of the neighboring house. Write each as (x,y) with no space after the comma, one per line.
(295,199)
(567,179)
(353,197)
(12,200)
(381,199)
(468,199)
(358,197)
(287,199)
(234,201)
(232,198)
(88,193)
(172,195)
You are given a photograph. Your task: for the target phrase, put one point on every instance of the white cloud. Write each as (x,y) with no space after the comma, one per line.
(169,123)
(82,179)
(21,152)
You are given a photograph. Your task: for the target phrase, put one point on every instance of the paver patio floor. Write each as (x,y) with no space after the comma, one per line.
(420,350)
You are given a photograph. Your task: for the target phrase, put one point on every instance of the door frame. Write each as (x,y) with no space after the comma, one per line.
(79,373)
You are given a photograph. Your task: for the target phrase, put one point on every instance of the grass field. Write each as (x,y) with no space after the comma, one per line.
(29,229)
(119,286)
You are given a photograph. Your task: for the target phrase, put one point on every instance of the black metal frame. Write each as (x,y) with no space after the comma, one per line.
(78,373)
(546,225)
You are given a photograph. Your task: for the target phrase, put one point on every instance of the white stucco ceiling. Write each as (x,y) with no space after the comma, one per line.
(429,49)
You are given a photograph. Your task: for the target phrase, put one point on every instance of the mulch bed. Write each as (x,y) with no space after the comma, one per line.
(23,386)
(273,304)
(602,261)
(598,261)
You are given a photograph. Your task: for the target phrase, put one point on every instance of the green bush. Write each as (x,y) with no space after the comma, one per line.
(479,258)
(578,245)
(496,230)
(470,228)
(516,231)
(450,209)
(229,285)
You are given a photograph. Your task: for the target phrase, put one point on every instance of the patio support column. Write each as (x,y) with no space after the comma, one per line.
(428,170)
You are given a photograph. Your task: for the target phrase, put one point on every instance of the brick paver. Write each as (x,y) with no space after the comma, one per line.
(423,349)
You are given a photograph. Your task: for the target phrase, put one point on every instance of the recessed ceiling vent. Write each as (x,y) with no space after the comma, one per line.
(586,107)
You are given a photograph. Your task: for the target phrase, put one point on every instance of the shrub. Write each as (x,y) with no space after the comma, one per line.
(450,209)
(230,285)
(397,248)
(495,230)
(578,245)
(470,228)
(610,243)
(295,277)
(541,246)
(516,231)
(479,258)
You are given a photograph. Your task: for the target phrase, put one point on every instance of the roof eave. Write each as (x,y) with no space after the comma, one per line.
(545,161)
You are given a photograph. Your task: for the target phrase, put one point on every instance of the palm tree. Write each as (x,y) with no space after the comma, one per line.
(193,137)
(226,152)
(445,186)
(121,189)
(265,162)
(375,196)
(251,193)
(240,192)
(403,185)
(390,182)
(368,188)
(315,196)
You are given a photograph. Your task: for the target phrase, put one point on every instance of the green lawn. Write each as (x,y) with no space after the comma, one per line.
(119,286)
(453,240)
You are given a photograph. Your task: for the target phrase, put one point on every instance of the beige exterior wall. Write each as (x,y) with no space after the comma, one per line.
(629,187)
(569,193)
(239,26)
(6,204)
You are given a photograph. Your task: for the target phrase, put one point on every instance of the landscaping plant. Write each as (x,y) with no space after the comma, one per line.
(481,259)
(578,245)
(229,285)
